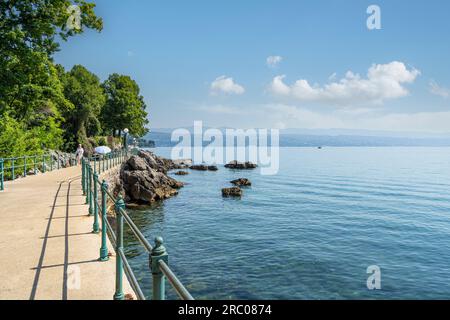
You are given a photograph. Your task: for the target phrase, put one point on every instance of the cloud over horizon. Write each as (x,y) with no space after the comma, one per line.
(383,81)
(224,84)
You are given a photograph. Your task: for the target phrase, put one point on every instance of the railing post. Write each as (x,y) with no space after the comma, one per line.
(91,211)
(95,225)
(43,164)
(86,180)
(95,165)
(25,166)
(13,172)
(104,248)
(51,162)
(2,175)
(120,204)
(57,162)
(103,163)
(82,177)
(34,164)
(158,253)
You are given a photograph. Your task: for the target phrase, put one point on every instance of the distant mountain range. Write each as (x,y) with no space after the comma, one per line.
(331,138)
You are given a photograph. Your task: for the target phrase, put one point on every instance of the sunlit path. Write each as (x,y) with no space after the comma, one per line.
(47,248)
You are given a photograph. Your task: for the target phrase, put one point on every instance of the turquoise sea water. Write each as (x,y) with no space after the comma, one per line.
(311,231)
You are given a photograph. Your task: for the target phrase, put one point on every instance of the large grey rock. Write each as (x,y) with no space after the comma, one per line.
(161,164)
(144,179)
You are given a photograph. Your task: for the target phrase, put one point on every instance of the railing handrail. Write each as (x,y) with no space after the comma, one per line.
(91,168)
(13,167)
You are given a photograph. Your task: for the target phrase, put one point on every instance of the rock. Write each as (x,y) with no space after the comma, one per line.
(240,165)
(232,192)
(241,182)
(32,173)
(181,173)
(161,164)
(203,167)
(137,163)
(144,180)
(199,167)
(181,163)
(61,159)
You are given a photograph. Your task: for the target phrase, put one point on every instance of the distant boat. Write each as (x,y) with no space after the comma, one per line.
(319,147)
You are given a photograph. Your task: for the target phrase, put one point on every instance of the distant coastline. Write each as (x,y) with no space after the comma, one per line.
(163,139)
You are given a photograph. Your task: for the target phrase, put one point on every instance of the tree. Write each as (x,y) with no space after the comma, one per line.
(83,89)
(31,95)
(125,107)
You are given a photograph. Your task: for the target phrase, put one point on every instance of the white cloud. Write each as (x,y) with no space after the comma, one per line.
(438,90)
(273,61)
(226,85)
(383,81)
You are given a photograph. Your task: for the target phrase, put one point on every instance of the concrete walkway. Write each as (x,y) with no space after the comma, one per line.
(47,250)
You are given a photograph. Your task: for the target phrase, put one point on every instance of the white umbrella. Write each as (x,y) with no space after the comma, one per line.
(102,150)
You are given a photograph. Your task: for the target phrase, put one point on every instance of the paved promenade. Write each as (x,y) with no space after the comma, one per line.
(47,248)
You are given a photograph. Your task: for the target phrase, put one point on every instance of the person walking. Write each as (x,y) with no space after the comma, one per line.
(79,154)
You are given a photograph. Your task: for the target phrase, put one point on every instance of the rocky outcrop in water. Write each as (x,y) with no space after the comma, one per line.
(144,180)
(203,167)
(181,173)
(162,164)
(241,182)
(232,192)
(240,165)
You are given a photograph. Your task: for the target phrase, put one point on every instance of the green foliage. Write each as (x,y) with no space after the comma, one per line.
(125,107)
(82,88)
(41,105)
(31,94)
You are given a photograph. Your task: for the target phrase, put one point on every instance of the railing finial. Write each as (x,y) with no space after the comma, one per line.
(159,248)
(158,253)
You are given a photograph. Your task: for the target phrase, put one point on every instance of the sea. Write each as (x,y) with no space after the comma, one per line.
(324,227)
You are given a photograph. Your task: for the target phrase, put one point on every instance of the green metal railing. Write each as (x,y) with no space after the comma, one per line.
(158,256)
(13,168)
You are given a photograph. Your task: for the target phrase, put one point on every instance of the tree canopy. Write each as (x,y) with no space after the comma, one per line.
(41,105)
(125,107)
(83,89)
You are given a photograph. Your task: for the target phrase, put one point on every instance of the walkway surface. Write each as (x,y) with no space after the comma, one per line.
(47,248)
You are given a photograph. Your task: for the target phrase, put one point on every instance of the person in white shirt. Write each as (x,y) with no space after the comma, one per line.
(79,154)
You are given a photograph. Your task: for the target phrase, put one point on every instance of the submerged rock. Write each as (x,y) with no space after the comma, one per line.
(240,165)
(241,182)
(143,178)
(213,168)
(232,192)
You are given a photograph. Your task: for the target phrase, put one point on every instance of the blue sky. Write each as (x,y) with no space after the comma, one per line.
(207,60)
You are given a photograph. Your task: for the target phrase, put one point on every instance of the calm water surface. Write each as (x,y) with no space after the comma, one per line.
(311,231)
